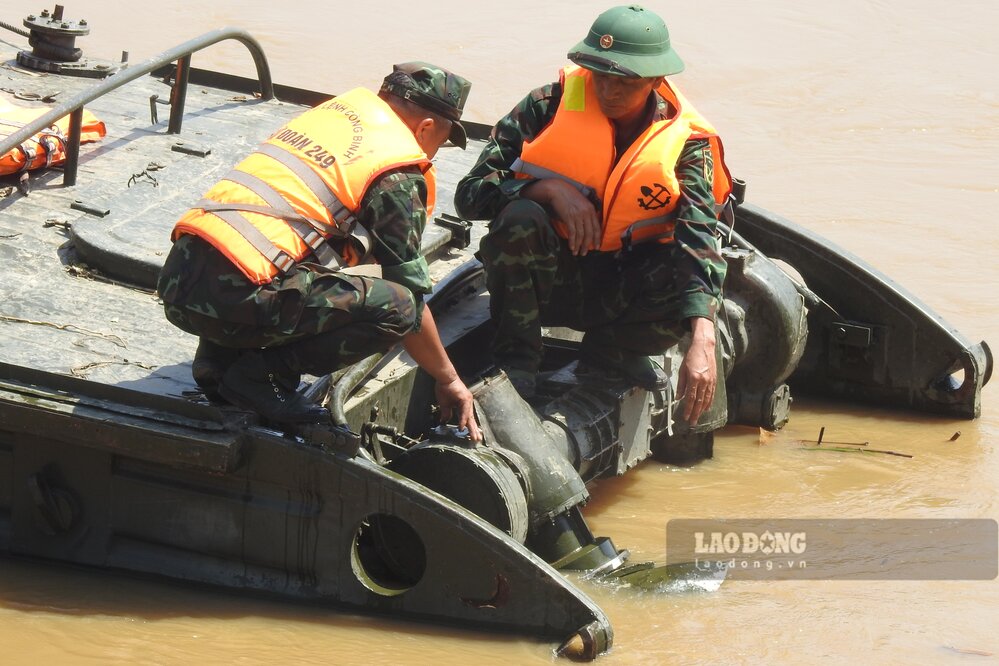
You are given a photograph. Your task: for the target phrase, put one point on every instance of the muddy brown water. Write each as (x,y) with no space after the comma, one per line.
(872,122)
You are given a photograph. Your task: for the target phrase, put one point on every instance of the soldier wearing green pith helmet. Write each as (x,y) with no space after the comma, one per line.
(603,192)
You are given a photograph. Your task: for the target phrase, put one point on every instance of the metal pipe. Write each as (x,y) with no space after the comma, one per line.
(133,72)
(73,147)
(178,96)
(545,446)
(346,385)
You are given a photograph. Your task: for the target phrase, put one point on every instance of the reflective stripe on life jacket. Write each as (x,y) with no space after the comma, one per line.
(638,194)
(303,187)
(46,148)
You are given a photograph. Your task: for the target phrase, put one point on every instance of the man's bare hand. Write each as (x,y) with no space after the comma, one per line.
(581,219)
(453,397)
(699,371)
(456,403)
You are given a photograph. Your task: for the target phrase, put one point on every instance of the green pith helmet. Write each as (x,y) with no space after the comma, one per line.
(627,41)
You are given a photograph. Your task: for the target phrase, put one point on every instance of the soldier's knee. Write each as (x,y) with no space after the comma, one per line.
(180,318)
(521,215)
(396,312)
(523,229)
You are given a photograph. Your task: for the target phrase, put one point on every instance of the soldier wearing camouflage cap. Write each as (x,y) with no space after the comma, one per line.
(603,191)
(306,257)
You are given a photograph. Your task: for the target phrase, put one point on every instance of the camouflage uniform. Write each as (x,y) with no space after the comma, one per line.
(322,320)
(634,301)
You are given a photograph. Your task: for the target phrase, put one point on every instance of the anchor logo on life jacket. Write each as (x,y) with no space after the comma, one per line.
(654,199)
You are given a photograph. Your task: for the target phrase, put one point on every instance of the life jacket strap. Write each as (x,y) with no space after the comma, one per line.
(346,222)
(275,255)
(49,141)
(277,206)
(529,169)
(309,235)
(627,241)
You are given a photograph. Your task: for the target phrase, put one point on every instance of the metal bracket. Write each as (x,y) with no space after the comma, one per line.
(56,508)
(857,352)
(154,117)
(851,335)
(91,209)
(190,149)
(461,230)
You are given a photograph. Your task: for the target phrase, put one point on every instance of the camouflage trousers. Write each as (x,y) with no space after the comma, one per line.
(316,319)
(625,302)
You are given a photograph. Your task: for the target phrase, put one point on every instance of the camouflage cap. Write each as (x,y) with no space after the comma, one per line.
(433,88)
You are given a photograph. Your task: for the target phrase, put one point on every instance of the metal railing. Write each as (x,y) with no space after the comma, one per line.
(178,96)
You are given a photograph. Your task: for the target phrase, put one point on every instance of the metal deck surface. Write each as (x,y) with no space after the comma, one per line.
(61,314)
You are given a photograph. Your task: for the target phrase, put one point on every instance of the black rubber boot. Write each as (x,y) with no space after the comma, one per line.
(261,382)
(636,369)
(209,365)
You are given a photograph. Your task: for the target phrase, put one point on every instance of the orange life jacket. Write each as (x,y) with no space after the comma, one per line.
(46,148)
(303,187)
(639,192)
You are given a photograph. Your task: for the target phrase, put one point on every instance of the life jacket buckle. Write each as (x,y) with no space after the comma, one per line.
(283,262)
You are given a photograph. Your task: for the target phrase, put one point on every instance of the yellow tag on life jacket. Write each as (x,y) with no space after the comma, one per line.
(575,93)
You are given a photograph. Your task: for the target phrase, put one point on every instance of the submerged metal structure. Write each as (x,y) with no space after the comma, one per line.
(109,457)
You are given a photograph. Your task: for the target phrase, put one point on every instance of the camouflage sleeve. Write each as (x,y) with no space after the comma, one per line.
(394,211)
(491,185)
(701,268)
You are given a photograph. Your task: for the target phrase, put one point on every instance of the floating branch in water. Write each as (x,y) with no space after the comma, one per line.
(846,449)
(820,441)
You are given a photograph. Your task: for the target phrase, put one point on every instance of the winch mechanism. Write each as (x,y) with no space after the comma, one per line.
(52,37)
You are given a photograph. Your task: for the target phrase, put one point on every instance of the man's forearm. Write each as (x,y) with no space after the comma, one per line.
(428,351)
